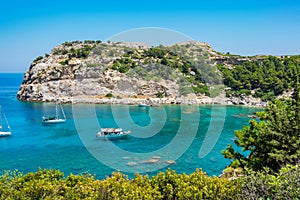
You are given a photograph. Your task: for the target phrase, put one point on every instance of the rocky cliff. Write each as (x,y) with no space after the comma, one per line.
(92,71)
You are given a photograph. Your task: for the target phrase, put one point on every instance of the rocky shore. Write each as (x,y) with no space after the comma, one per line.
(221,100)
(92,72)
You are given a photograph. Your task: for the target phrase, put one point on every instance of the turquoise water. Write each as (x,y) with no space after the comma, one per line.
(167,133)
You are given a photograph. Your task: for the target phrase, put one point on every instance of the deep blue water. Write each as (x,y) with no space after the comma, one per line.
(159,135)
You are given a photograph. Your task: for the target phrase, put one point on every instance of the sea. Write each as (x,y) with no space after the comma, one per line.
(178,137)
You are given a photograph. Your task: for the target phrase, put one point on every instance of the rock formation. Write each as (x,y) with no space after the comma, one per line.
(93,71)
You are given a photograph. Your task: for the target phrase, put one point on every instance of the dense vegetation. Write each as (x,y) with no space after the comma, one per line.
(264,185)
(274,140)
(157,63)
(267,77)
(51,184)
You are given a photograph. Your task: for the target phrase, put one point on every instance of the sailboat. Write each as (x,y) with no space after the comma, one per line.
(55,119)
(4,132)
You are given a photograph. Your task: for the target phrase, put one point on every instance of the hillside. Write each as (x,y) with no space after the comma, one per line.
(189,72)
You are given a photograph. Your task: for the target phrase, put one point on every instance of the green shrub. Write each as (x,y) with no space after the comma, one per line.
(124,64)
(273,140)
(109,95)
(51,184)
(229,93)
(60,52)
(268,76)
(64,62)
(68,44)
(38,58)
(194,186)
(159,95)
(262,185)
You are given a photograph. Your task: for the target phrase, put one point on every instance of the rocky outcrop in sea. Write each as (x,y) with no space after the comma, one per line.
(128,73)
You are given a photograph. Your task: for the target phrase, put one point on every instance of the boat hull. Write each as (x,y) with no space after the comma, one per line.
(4,134)
(143,105)
(112,137)
(112,133)
(54,121)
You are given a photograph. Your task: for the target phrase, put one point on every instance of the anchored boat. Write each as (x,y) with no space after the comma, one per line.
(112,133)
(143,105)
(55,119)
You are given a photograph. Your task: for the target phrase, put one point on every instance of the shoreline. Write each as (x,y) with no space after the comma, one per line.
(152,102)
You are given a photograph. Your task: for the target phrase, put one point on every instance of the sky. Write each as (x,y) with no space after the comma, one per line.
(29,29)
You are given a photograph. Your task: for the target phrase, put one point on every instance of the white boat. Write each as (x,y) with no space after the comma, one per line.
(112,133)
(55,119)
(4,131)
(143,105)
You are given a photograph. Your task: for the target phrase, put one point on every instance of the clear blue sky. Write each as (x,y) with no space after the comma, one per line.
(247,27)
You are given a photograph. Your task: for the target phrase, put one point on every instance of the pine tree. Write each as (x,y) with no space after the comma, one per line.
(272,142)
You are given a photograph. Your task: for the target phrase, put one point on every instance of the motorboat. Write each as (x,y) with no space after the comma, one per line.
(143,105)
(112,133)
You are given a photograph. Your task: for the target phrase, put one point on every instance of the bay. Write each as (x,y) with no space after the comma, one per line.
(169,136)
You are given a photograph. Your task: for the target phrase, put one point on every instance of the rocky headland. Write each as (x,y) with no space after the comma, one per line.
(132,73)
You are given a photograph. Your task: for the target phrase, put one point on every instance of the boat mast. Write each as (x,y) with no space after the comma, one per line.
(5,119)
(0,118)
(56,111)
(62,111)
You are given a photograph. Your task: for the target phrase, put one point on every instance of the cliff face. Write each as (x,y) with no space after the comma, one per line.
(92,71)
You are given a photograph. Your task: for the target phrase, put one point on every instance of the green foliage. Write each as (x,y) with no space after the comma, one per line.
(81,52)
(123,64)
(262,185)
(194,186)
(201,89)
(29,186)
(118,186)
(272,142)
(60,52)
(89,41)
(68,44)
(38,58)
(50,184)
(159,95)
(242,92)
(64,62)
(269,76)
(72,52)
(154,56)
(156,52)
(109,95)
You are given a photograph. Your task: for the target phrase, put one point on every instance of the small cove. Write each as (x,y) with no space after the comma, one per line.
(67,148)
